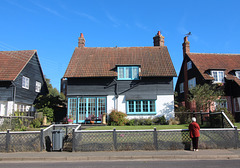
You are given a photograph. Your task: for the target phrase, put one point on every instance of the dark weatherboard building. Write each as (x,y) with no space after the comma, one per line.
(135,80)
(21,81)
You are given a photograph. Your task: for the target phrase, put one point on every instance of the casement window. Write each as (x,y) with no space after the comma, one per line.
(218,76)
(181,86)
(38,87)
(237,104)
(237,74)
(221,103)
(141,107)
(21,108)
(189,65)
(25,82)
(191,83)
(128,72)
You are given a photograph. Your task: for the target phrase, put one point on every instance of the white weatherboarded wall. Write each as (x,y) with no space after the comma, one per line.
(164,106)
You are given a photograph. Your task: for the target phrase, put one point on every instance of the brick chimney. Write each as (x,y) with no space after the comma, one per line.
(186,46)
(158,40)
(81,41)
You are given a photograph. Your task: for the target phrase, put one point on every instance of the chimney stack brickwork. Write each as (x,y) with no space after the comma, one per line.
(186,49)
(186,46)
(158,40)
(81,41)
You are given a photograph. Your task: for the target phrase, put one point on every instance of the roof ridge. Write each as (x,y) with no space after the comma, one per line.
(126,47)
(214,53)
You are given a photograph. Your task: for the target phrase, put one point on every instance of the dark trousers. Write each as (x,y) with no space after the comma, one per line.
(195,142)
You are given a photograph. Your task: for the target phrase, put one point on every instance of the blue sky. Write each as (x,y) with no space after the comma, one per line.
(52,27)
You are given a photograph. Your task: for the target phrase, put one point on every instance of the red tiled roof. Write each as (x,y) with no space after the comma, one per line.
(101,62)
(227,62)
(12,63)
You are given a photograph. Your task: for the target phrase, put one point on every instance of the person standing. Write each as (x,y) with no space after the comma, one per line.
(194,133)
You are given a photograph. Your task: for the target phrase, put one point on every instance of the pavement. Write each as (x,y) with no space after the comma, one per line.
(210,154)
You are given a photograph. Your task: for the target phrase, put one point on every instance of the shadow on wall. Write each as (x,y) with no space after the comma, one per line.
(167,110)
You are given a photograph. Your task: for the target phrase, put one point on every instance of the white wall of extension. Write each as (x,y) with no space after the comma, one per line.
(164,106)
(7,109)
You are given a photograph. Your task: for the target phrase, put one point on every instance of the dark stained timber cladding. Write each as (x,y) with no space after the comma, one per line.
(33,72)
(110,86)
(6,91)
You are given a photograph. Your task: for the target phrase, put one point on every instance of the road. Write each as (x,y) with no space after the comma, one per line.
(126,164)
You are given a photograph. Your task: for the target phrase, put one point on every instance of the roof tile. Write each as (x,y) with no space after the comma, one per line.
(101,62)
(12,63)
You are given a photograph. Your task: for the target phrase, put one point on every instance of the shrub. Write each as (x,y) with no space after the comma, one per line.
(173,121)
(117,118)
(47,112)
(36,123)
(160,120)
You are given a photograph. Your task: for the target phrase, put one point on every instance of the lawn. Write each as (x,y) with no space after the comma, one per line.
(140,127)
(145,127)
(237,125)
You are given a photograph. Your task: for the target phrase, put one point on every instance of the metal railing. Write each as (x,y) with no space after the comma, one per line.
(23,141)
(124,140)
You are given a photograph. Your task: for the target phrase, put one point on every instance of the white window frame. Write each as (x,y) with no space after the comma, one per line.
(25,82)
(38,87)
(181,87)
(220,103)
(189,65)
(218,78)
(237,73)
(191,83)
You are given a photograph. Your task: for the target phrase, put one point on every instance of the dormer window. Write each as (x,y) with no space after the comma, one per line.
(218,76)
(128,72)
(237,74)
(189,65)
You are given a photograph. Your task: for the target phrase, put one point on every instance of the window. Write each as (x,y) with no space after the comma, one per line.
(189,65)
(38,86)
(236,104)
(141,107)
(218,76)
(25,82)
(221,103)
(181,87)
(128,73)
(21,108)
(191,83)
(237,74)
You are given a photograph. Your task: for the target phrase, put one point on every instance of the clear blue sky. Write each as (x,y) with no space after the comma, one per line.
(52,27)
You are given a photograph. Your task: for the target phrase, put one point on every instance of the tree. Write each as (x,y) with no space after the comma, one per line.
(53,105)
(204,95)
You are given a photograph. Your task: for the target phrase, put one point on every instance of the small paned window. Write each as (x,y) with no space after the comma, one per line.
(128,73)
(221,103)
(181,86)
(237,74)
(189,65)
(38,87)
(218,76)
(141,107)
(25,82)
(191,83)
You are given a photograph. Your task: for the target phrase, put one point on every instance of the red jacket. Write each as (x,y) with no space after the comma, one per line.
(194,130)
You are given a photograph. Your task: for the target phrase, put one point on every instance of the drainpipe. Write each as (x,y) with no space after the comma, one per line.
(116,95)
(14,95)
